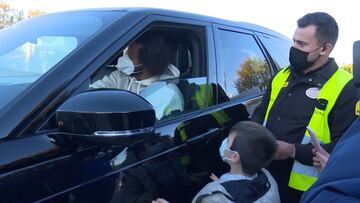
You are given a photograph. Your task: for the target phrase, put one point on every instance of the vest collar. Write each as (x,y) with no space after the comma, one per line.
(321,75)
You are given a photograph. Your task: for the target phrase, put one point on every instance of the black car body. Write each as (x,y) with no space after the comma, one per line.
(47,64)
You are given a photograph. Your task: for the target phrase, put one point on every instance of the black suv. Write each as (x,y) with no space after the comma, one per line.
(61,142)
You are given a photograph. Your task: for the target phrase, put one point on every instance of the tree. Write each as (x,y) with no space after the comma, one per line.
(347,67)
(253,73)
(9,16)
(33,13)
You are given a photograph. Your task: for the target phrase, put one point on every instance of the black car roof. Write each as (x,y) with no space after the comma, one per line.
(148,11)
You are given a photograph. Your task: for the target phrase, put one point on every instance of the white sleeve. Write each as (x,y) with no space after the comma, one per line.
(177,100)
(165,98)
(116,80)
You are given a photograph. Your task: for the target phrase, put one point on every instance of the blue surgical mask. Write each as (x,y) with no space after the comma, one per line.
(222,148)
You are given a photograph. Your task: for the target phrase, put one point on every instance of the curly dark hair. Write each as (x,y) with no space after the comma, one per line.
(155,53)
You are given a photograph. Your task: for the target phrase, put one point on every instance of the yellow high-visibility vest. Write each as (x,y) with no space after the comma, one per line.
(303,176)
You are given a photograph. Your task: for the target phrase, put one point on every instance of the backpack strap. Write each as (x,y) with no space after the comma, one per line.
(248,190)
(198,200)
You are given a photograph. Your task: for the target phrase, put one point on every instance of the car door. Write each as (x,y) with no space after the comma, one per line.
(42,165)
(177,162)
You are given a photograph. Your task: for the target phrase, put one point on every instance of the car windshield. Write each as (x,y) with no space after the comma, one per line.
(31,48)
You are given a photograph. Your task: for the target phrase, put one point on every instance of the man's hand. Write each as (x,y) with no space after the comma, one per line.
(284,150)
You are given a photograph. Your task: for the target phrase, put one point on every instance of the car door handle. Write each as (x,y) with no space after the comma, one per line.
(203,135)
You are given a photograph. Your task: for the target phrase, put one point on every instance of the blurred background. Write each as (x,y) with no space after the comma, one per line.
(279,15)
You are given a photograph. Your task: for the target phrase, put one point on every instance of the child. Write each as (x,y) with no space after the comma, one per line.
(249,148)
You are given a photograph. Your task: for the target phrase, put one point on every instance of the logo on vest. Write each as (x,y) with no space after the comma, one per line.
(312,92)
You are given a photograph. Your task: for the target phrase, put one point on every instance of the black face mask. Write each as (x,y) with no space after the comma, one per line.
(298,59)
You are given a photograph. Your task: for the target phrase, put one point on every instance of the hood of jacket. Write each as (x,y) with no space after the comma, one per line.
(138,85)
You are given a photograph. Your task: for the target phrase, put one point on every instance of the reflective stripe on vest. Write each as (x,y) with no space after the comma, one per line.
(278,82)
(205,97)
(303,176)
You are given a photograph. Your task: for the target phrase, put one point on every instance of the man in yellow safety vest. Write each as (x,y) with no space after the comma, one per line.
(313,92)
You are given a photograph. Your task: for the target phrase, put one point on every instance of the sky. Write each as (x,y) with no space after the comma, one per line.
(279,15)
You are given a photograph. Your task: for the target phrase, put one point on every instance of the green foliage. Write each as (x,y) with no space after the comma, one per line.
(9,16)
(252,73)
(347,67)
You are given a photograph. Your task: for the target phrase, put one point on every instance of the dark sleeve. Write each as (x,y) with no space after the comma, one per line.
(327,194)
(340,118)
(339,179)
(260,111)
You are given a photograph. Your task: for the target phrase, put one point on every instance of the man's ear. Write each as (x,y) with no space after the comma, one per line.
(326,49)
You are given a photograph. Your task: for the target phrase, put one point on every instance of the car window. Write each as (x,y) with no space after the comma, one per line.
(242,65)
(283,45)
(184,87)
(34,58)
(35,46)
(278,50)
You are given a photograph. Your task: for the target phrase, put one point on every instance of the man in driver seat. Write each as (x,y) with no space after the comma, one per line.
(144,66)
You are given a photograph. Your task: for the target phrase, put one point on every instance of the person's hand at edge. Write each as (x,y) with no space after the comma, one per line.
(213,177)
(320,159)
(160,200)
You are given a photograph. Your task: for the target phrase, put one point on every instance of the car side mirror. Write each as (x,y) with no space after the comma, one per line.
(106,117)
(356,63)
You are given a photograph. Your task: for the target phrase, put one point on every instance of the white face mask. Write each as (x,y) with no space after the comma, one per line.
(125,65)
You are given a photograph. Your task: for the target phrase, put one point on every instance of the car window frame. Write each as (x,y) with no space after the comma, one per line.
(275,66)
(246,31)
(129,36)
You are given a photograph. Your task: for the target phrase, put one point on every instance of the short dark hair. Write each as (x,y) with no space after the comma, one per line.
(255,144)
(155,53)
(327,29)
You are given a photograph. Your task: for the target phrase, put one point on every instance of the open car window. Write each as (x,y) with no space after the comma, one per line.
(173,96)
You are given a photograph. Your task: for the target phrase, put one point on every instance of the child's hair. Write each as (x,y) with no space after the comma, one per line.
(255,144)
